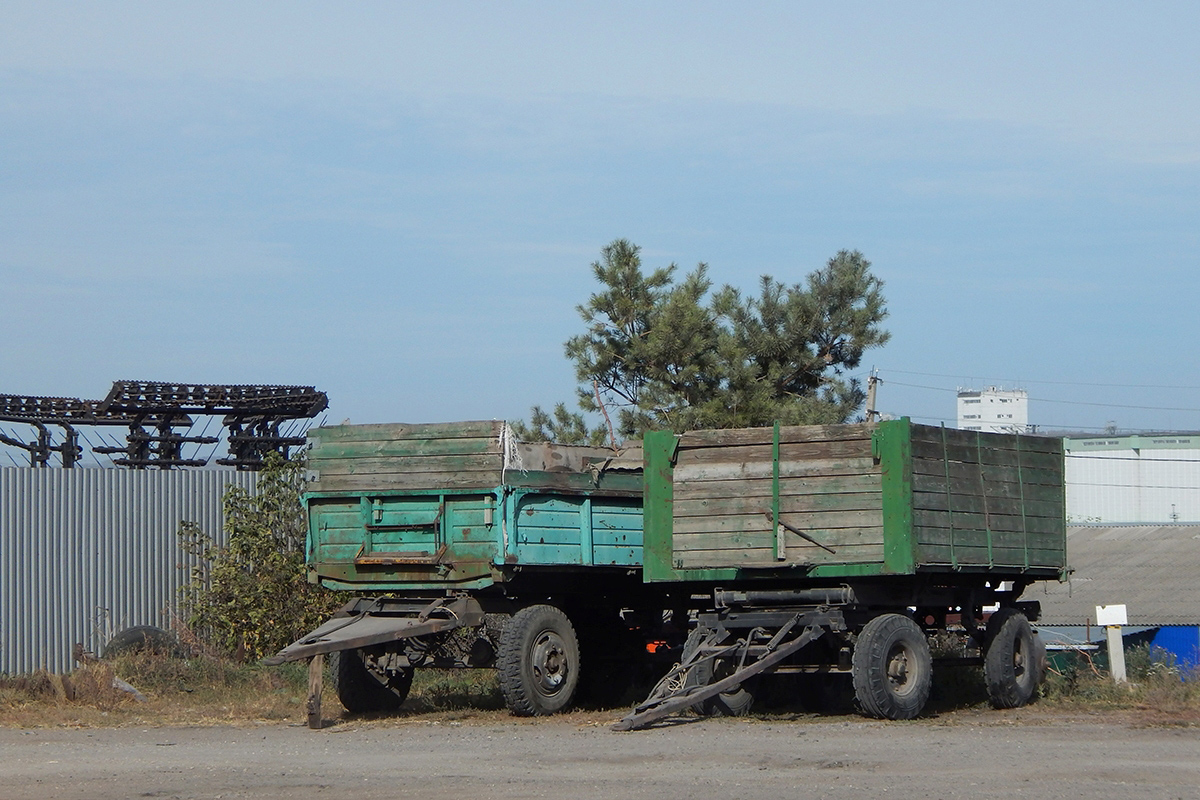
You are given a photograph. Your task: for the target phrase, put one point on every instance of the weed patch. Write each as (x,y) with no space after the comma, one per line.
(1156,685)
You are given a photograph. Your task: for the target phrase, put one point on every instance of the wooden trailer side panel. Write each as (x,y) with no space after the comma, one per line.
(987,500)
(399,457)
(843,501)
(398,506)
(782,497)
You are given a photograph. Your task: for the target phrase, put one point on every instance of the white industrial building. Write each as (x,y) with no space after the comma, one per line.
(993,410)
(1142,479)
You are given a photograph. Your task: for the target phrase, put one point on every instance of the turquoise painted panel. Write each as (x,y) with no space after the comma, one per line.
(549,554)
(365,525)
(604,555)
(557,530)
(544,529)
(617,532)
(546,520)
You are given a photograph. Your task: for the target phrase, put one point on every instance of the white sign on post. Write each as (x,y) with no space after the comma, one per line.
(1111,615)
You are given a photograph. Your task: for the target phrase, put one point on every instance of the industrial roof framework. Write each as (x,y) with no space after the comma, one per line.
(155,412)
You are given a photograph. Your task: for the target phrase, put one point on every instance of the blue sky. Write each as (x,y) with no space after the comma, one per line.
(398,203)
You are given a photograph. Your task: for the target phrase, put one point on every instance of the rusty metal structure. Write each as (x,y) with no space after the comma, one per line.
(159,417)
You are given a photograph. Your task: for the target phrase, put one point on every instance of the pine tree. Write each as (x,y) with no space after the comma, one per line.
(673,355)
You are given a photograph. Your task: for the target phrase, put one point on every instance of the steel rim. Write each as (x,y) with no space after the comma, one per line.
(899,660)
(549,662)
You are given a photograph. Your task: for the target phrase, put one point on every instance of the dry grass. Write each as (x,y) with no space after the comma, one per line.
(207,690)
(210,691)
(1159,691)
(200,690)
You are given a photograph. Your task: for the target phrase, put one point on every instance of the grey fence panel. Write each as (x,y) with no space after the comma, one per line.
(85,553)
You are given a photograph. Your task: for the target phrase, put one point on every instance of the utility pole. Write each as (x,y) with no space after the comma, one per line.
(872,382)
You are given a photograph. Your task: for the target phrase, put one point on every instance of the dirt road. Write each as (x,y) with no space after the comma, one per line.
(966,754)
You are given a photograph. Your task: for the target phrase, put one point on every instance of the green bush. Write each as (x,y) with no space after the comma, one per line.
(251,597)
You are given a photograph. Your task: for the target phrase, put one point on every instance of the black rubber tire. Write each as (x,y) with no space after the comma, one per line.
(892,668)
(142,638)
(538,662)
(360,691)
(735,703)
(1012,665)
(1041,661)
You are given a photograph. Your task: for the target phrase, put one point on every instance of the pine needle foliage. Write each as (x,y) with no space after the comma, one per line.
(661,353)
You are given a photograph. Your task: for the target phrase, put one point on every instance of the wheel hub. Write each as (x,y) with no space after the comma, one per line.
(897,669)
(549,662)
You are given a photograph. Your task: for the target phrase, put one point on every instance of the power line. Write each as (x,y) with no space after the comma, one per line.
(1057,402)
(1058,383)
(1073,428)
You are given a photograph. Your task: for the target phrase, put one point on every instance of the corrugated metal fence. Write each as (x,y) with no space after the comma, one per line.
(88,552)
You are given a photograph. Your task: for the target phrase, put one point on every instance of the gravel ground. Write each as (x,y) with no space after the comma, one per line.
(965,754)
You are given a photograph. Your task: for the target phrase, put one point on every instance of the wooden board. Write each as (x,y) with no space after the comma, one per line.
(724,489)
(987,499)
(401,457)
(396,431)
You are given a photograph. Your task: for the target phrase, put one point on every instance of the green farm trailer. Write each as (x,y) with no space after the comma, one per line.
(716,557)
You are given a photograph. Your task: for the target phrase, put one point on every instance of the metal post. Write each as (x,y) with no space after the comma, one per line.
(1112,618)
(1116,653)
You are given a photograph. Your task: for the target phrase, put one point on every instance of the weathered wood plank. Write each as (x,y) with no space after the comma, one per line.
(625,484)
(813,521)
(788,486)
(400,466)
(765,557)
(396,430)
(404,448)
(746,556)
(787,433)
(1043,548)
(836,539)
(801,451)
(991,441)
(728,540)
(796,550)
(997,522)
(936,484)
(788,504)
(974,503)
(312,706)
(763,469)
(970,454)
(966,473)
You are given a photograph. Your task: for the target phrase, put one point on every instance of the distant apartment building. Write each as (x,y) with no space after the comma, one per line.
(993,410)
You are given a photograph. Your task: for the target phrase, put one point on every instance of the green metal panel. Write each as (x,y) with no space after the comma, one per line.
(658,453)
(892,445)
(775,491)
(387,541)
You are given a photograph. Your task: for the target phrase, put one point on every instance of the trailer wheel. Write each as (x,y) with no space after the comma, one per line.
(360,690)
(892,668)
(538,661)
(1013,663)
(734,703)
